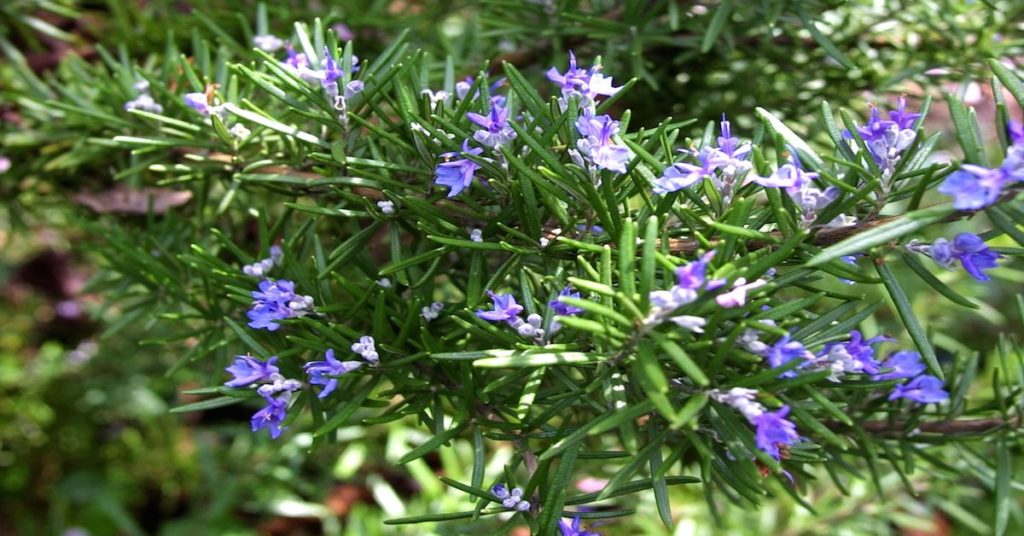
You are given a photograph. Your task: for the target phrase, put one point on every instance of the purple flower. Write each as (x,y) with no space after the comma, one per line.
(772,430)
(274,301)
(247,370)
(800,186)
(587,84)
(728,144)
(511,499)
(729,158)
(692,275)
(922,389)
(496,130)
(855,355)
(887,138)
(683,175)
(789,175)
(272,416)
(969,249)
(573,528)
(261,267)
(326,372)
(904,364)
(500,491)
(458,174)
(564,309)
(331,72)
(145,103)
(974,187)
(902,118)
(366,347)
(505,309)
(738,295)
(198,102)
(353,88)
(1015,131)
(783,351)
(597,143)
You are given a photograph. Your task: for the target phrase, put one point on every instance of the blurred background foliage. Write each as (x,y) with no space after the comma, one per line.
(86,440)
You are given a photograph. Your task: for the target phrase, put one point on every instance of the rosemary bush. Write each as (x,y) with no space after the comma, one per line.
(513,263)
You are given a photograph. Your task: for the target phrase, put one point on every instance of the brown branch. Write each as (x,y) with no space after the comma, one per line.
(970,426)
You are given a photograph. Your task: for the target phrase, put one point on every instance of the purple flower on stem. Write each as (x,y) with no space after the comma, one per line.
(683,174)
(198,102)
(969,249)
(729,145)
(564,309)
(587,84)
(247,370)
(573,528)
(738,295)
(773,429)
(496,130)
(800,186)
(692,275)
(853,356)
(458,174)
(597,143)
(511,499)
(922,389)
(261,267)
(332,72)
(326,372)
(886,139)
(783,351)
(275,301)
(505,309)
(903,364)
(272,416)
(975,187)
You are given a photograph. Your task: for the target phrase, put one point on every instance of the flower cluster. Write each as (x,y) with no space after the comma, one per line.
(771,428)
(262,267)
(585,84)
(458,173)
(432,311)
(275,301)
(857,356)
(494,128)
(886,139)
(504,308)
(726,165)
(801,187)
(144,101)
(597,143)
(691,278)
(275,389)
(327,372)
(967,248)
(511,499)
(975,187)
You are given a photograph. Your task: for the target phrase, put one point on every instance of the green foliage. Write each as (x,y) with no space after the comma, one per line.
(613,395)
